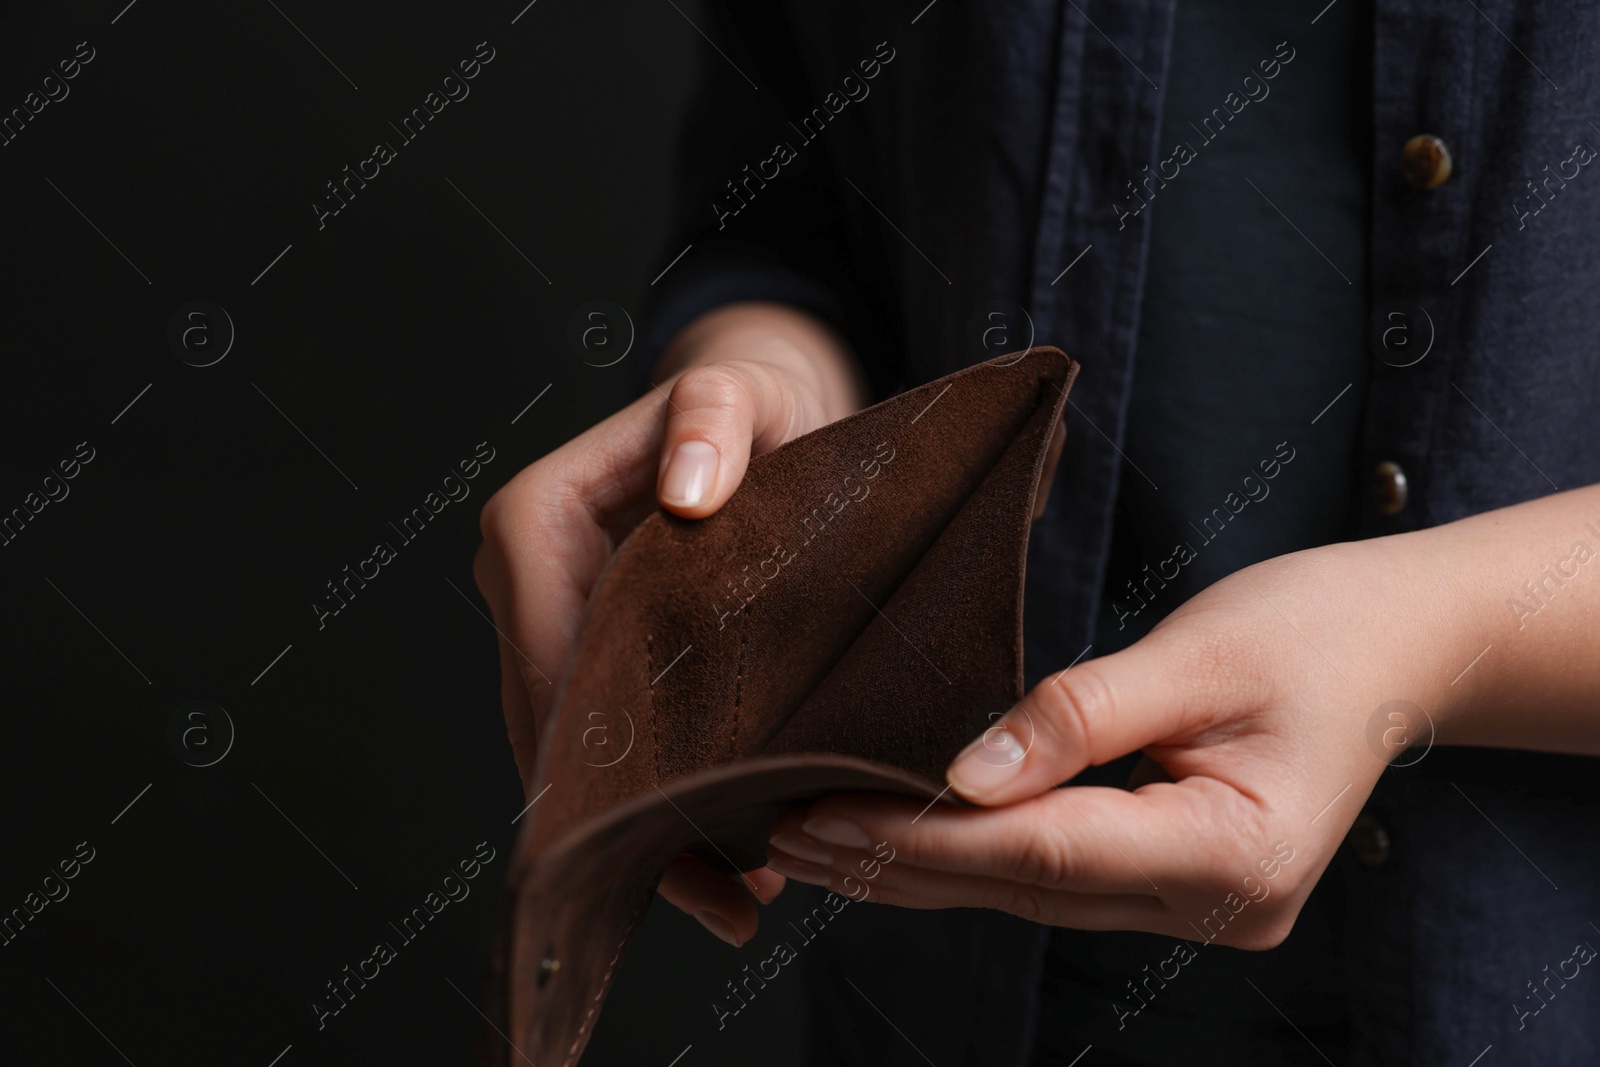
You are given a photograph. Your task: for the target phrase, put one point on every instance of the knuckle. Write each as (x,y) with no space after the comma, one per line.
(714,386)
(1080,707)
(895,897)
(483,568)
(492,515)
(1292,889)
(1267,931)
(779,403)
(498,518)
(1023,901)
(1042,860)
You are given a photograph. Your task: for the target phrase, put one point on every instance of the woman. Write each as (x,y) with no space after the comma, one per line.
(1329,272)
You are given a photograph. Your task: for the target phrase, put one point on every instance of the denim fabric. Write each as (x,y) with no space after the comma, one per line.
(981,160)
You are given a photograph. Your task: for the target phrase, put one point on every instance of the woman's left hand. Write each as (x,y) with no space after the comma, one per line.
(1263,708)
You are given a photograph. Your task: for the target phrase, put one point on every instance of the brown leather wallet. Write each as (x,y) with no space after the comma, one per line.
(848,621)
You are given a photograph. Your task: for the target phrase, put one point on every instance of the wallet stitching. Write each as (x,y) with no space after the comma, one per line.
(738,686)
(584,1027)
(650,696)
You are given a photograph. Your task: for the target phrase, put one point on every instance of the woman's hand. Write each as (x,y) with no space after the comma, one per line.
(738,382)
(1263,709)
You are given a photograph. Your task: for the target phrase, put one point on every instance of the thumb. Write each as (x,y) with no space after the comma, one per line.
(717,416)
(1087,715)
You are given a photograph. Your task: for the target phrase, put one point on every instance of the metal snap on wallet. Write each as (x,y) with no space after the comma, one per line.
(849,621)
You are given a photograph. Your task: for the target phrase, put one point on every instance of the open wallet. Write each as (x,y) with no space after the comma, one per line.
(849,621)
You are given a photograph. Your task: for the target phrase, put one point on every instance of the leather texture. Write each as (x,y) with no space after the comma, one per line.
(848,621)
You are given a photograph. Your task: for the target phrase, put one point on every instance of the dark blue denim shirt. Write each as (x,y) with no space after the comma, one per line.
(923,175)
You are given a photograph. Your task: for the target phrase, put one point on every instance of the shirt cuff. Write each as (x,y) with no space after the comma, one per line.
(714,277)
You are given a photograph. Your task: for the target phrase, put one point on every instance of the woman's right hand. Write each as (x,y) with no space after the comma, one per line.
(739,381)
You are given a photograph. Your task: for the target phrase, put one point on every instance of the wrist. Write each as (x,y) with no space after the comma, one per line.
(1462,571)
(1416,625)
(1443,602)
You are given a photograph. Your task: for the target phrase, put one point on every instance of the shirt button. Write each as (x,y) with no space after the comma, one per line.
(1389,488)
(1426,161)
(1369,840)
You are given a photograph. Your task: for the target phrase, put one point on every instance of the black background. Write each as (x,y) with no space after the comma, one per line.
(367,361)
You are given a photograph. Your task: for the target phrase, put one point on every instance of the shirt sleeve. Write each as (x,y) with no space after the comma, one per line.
(760,210)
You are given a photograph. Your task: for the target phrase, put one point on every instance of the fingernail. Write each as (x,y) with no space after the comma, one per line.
(798,869)
(836,831)
(719,926)
(691,474)
(766,896)
(988,763)
(797,844)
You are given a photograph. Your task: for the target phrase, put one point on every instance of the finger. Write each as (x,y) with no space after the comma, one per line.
(860,876)
(546,537)
(720,902)
(515,683)
(1079,839)
(717,417)
(1090,715)
(765,884)
(522,724)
